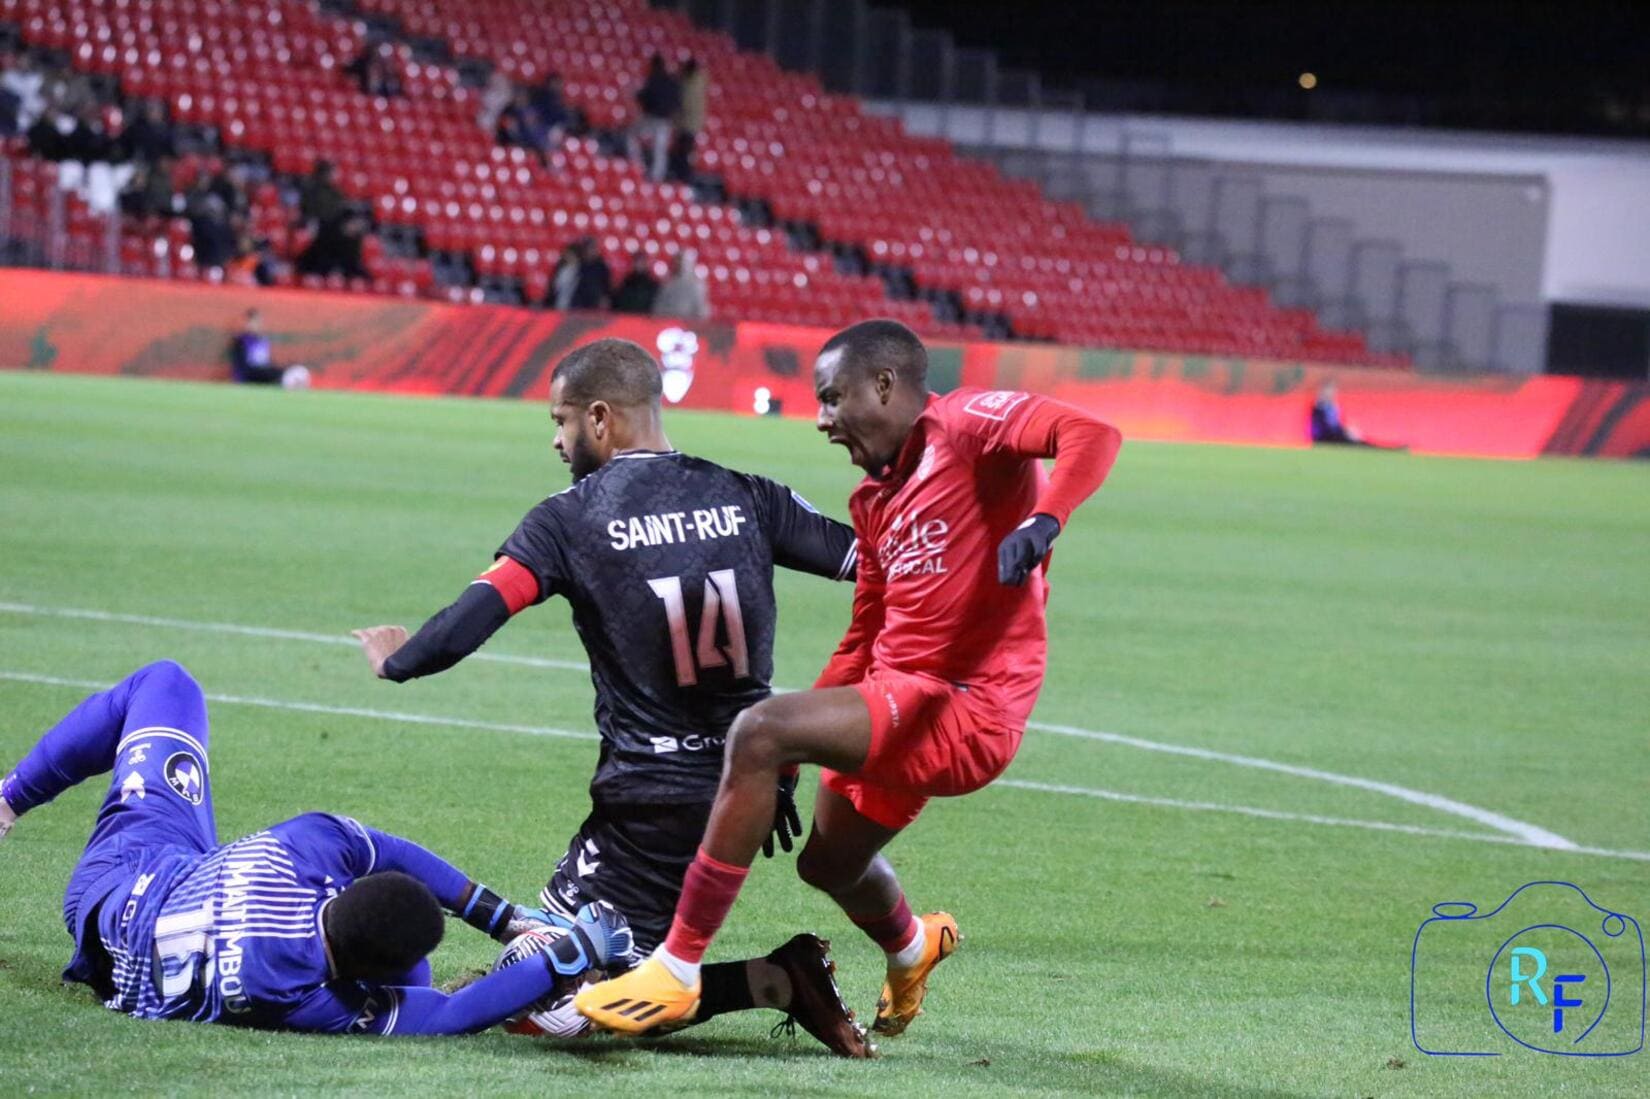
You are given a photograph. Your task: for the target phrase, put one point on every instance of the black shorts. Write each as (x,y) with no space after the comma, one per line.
(633,857)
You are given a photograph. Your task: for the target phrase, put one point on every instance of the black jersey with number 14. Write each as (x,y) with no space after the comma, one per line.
(667,561)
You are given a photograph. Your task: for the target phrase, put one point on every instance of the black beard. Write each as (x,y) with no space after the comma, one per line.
(582,458)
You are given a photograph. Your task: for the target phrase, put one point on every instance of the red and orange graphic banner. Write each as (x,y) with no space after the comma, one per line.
(104,325)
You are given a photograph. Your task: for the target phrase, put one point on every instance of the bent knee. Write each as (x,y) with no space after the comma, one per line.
(754,739)
(169,672)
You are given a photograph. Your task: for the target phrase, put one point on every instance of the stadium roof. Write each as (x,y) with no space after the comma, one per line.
(1551,68)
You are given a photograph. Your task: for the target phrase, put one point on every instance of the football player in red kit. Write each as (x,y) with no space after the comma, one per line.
(929,692)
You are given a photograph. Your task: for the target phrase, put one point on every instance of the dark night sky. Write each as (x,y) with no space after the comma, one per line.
(1508,49)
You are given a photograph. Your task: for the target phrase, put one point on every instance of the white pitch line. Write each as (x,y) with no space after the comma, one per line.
(1017,784)
(320,708)
(1528,833)
(1311,818)
(1521,830)
(265,631)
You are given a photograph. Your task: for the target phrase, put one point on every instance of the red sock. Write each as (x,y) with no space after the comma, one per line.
(892,932)
(708,892)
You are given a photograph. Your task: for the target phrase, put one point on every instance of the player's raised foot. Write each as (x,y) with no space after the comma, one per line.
(816,1002)
(903,993)
(647,998)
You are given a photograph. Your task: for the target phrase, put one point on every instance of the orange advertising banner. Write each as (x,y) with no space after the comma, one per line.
(106,325)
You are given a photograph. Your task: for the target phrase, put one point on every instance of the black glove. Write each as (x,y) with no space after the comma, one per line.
(787,822)
(1025,549)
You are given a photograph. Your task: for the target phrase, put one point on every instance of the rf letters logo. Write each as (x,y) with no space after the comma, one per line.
(1557,972)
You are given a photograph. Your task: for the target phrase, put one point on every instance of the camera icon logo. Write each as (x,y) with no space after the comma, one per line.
(1558,973)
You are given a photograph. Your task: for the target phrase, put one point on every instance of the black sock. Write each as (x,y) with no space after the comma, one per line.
(724,989)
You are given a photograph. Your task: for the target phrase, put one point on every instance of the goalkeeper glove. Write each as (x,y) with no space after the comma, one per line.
(787,822)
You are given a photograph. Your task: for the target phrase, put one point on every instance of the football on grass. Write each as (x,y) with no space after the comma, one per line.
(554,1016)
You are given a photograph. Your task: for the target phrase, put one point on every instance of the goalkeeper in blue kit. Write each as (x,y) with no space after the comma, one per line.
(319,923)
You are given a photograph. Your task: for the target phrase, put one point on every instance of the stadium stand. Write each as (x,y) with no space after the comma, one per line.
(888,223)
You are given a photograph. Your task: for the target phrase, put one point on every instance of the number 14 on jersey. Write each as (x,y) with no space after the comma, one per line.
(721,603)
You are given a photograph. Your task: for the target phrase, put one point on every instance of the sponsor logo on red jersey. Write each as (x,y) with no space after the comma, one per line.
(914,546)
(995,405)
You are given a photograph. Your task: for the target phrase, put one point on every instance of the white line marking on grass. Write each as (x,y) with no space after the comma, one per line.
(1522,831)
(1018,784)
(264,631)
(1527,833)
(319,708)
(1311,818)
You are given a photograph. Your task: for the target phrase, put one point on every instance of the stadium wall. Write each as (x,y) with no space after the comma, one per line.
(116,326)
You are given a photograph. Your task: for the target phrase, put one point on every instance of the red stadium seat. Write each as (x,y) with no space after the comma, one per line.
(268,74)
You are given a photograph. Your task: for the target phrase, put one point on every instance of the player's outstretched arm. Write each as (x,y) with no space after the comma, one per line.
(453,633)
(597,937)
(342,1007)
(464,897)
(456,630)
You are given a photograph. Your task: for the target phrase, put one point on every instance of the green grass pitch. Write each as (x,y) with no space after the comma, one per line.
(1166,924)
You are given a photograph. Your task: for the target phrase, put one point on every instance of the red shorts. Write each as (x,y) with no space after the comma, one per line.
(929,738)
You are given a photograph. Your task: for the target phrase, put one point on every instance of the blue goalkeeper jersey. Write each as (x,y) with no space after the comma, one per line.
(234,935)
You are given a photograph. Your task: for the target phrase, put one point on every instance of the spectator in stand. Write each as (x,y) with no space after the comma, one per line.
(228,183)
(148,137)
(339,228)
(582,279)
(336,249)
(252,264)
(551,107)
(151,192)
(683,294)
(250,361)
(22,78)
(320,202)
(565,280)
(521,126)
(11,107)
(689,121)
(210,230)
(12,81)
(638,289)
(46,136)
(374,70)
(595,285)
(495,97)
(88,141)
(660,97)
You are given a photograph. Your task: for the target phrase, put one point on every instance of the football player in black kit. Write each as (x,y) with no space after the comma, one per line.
(668,562)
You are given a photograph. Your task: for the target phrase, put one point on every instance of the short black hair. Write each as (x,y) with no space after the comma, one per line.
(382,925)
(619,372)
(871,345)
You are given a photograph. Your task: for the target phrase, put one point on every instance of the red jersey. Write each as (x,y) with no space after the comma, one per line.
(928,601)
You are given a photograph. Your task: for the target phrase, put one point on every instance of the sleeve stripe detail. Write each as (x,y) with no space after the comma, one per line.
(475,895)
(372,849)
(849,560)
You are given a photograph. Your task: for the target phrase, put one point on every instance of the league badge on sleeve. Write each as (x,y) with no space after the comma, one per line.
(186,777)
